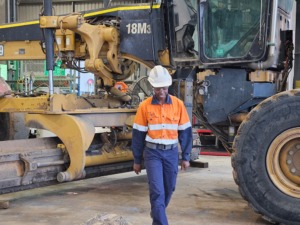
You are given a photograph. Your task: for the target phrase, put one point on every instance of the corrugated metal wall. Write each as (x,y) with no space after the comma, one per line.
(79,7)
(31,12)
(2,11)
(28,12)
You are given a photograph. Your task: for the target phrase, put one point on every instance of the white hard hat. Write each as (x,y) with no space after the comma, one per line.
(160,77)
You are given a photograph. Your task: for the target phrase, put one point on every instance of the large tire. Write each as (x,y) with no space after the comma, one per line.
(266,158)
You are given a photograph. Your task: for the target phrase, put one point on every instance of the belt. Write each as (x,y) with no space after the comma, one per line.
(160,146)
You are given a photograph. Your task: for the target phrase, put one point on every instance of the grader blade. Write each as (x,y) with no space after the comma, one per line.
(30,163)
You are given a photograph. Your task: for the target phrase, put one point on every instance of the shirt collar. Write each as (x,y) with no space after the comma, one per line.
(156,102)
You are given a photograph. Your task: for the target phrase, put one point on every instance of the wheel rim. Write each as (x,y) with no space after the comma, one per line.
(283,162)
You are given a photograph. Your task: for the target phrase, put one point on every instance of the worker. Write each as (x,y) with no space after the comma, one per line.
(160,123)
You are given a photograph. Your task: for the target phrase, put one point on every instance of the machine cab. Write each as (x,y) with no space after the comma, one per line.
(220,31)
(232,30)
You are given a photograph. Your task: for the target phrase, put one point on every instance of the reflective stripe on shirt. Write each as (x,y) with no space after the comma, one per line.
(184,126)
(162,122)
(140,127)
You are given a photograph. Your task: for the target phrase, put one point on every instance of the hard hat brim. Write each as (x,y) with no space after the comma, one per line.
(161,84)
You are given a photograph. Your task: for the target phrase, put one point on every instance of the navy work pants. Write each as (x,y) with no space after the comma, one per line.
(162,169)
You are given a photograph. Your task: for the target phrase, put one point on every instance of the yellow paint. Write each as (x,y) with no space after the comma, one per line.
(116,155)
(32,104)
(297,82)
(22,50)
(121,8)
(75,133)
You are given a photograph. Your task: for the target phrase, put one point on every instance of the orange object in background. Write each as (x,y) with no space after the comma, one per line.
(121,86)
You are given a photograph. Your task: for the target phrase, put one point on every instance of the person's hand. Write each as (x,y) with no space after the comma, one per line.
(137,168)
(184,164)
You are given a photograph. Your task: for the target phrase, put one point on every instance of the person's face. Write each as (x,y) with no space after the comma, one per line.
(161,93)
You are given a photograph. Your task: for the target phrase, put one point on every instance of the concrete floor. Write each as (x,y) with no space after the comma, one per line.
(203,196)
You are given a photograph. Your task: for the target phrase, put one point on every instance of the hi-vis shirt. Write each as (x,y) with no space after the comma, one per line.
(161,124)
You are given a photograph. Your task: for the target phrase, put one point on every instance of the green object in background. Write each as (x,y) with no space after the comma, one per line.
(57,70)
(219,52)
(3,71)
